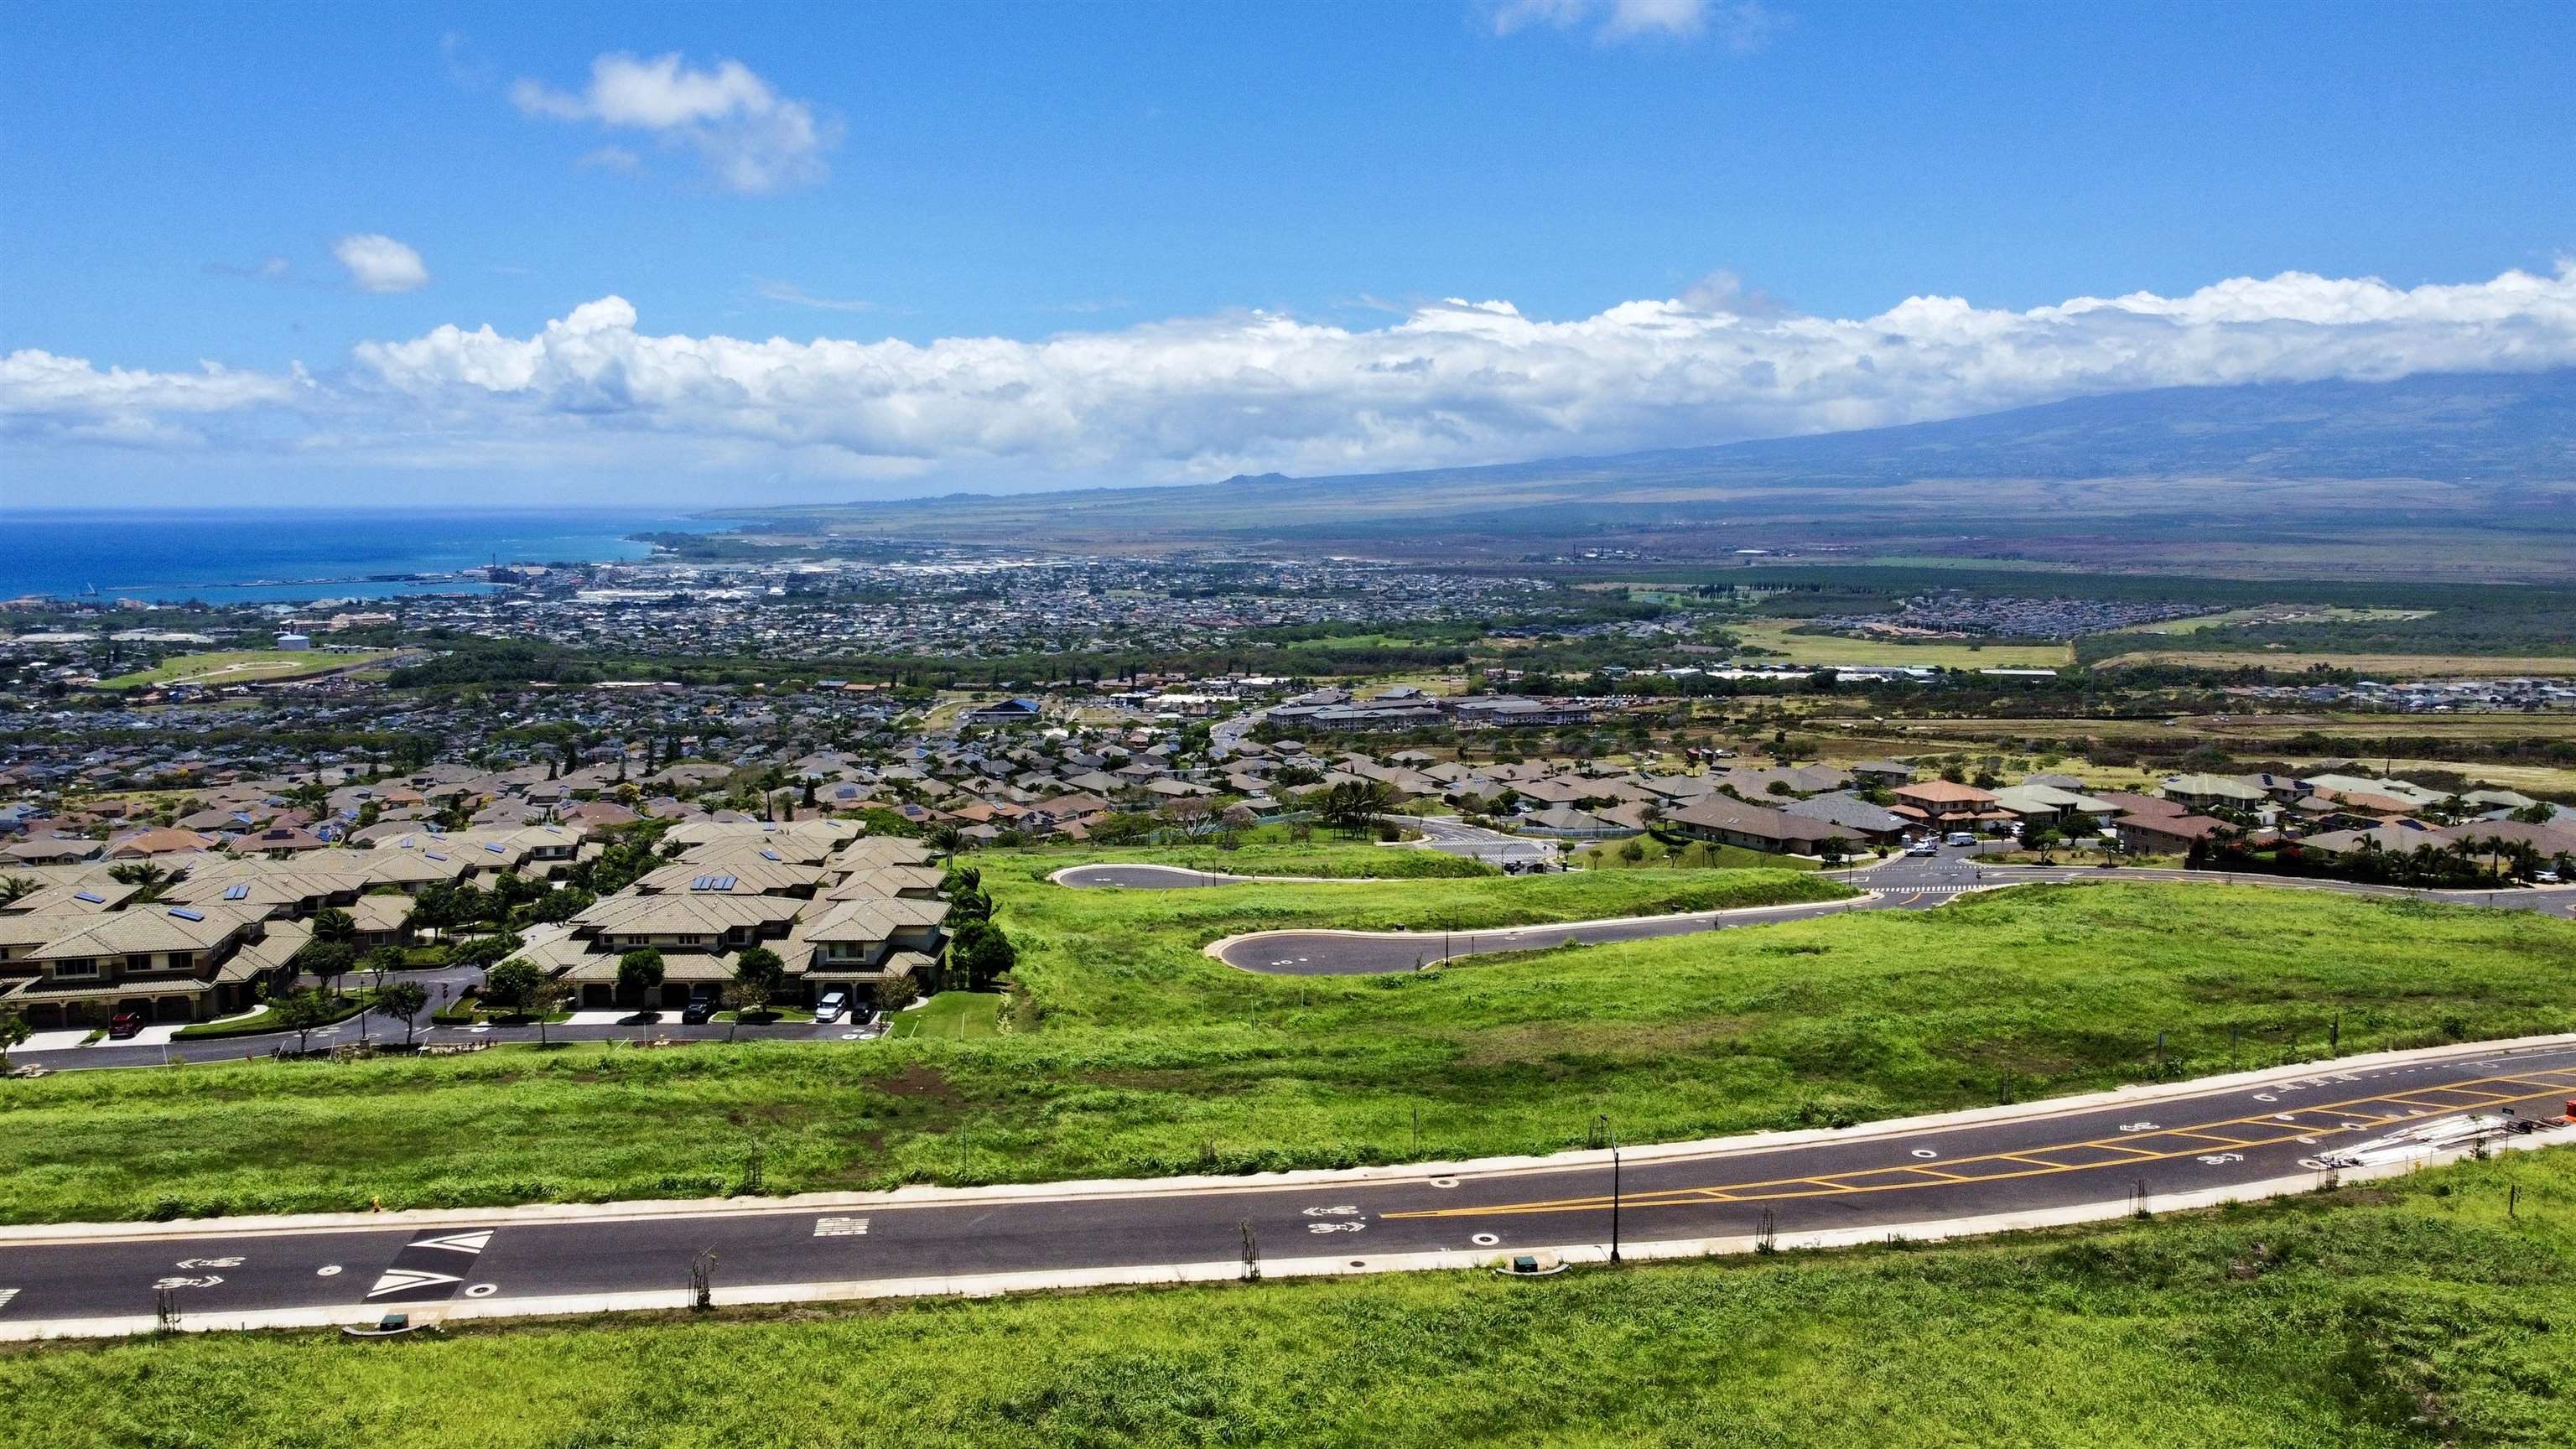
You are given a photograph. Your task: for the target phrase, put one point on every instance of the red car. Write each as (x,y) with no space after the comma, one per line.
(125,1024)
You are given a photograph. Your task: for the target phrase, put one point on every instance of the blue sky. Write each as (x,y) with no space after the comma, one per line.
(176,184)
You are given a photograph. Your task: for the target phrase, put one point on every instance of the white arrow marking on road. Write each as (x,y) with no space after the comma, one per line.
(398,1279)
(840,1227)
(1330,1212)
(1335,1227)
(207,1263)
(165,1284)
(459,1242)
(2137,1126)
(2221,1159)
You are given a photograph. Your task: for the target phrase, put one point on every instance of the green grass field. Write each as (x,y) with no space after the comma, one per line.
(949,1016)
(1152,1059)
(1947,653)
(2398,1317)
(240,666)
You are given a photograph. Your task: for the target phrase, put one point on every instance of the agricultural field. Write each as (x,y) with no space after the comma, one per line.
(2431,1310)
(1140,1056)
(244,666)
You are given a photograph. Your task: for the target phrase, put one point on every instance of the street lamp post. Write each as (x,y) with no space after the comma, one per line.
(1604,1120)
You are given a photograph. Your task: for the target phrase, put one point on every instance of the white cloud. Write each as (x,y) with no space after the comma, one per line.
(1743,25)
(750,138)
(378,263)
(1200,397)
(612,158)
(795,295)
(46,396)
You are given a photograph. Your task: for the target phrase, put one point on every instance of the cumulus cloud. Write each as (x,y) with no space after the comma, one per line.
(1743,25)
(1450,383)
(750,138)
(47,396)
(378,263)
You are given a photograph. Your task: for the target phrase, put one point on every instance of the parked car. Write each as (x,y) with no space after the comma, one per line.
(1925,846)
(702,1006)
(125,1024)
(829,1006)
(2544,877)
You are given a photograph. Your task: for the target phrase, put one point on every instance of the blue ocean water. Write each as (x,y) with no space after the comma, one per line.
(264,555)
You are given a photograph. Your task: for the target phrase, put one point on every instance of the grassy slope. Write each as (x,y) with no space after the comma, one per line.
(1154,1059)
(240,666)
(2410,1316)
(949,1016)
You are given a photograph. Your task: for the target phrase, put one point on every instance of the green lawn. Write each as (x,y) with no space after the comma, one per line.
(1149,1058)
(240,666)
(2401,1317)
(950,1016)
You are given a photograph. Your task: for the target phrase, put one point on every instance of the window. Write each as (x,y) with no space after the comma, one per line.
(139,961)
(82,967)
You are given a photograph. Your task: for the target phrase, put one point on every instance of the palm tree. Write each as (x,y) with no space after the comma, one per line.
(148,879)
(14,887)
(945,838)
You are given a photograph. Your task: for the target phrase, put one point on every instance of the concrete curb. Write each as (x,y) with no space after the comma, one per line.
(929,1196)
(993,1285)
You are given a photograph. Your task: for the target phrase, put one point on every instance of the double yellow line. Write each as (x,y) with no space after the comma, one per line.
(2033,1161)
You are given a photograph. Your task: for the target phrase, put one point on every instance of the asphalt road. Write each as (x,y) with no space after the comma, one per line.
(2040,1157)
(1900,883)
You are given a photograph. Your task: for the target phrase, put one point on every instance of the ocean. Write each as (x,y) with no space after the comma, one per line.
(238,556)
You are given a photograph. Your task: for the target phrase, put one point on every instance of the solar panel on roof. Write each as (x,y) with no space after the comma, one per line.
(493,846)
(183,913)
(434,855)
(771,855)
(726,883)
(93,897)
(237,893)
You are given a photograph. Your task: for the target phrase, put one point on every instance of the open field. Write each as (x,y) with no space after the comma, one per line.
(243,666)
(2374,1318)
(1948,654)
(1151,1059)
(949,1016)
(2374,666)
(2275,614)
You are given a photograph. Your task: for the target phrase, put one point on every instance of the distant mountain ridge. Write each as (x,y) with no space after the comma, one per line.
(2335,473)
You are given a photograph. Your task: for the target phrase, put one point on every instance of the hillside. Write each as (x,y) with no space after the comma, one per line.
(2472,467)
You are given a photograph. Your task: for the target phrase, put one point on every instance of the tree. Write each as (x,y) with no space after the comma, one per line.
(760,967)
(403,1001)
(513,983)
(544,1000)
(13,888)
(14,1032)
(300,1012)
(983,952)
(744,997)
(149,879)
(326,962)
(482,950)
(897,992)
(945,838)
(2044,839)
(639,974)
(1835,850)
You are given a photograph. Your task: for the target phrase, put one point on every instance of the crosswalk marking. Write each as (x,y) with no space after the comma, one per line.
(840,1227)
(5,1295)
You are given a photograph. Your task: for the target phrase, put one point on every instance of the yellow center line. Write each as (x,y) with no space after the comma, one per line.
(2267,1122)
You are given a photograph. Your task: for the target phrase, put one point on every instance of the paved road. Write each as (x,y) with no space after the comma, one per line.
(2037,1158)
(1900,883)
